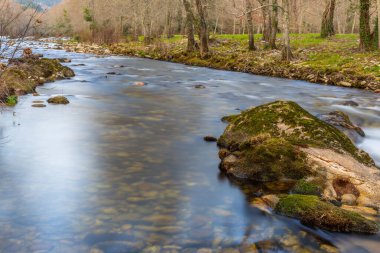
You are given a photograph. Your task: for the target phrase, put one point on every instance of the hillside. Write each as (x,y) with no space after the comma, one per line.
(40,3)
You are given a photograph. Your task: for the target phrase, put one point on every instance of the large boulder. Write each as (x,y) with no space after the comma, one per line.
(270,141)
(281,142)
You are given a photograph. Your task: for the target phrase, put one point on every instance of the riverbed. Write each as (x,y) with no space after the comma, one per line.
(124,168)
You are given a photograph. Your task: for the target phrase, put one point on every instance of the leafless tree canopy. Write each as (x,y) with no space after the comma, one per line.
(157,17)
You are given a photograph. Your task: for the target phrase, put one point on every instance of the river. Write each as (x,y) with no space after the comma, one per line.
(124,168)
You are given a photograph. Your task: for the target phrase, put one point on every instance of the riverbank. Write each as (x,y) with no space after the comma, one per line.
(22,75)
(335,61)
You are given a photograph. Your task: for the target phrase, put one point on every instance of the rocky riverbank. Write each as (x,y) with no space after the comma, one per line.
(320,64)
(328,181)
(22,75)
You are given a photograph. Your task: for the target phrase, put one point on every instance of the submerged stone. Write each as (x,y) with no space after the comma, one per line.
(310,210)
(139,84)
(38,105)
(210,139)
(199,86)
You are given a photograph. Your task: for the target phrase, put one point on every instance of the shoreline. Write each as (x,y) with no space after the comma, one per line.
(255,63)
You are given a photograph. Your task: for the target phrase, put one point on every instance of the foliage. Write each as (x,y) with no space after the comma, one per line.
(63,25)
(11,100)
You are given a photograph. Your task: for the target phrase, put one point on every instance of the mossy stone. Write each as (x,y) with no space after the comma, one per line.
(289,121)
(314,212)
(58,100)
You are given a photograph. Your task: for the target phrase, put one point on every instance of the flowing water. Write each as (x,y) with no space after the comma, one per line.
(124,168)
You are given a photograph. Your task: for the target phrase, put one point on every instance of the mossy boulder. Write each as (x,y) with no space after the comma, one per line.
(266,143)
(58,100)
(312,211)
(23,75)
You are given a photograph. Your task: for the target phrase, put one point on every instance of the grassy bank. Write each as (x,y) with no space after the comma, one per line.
(333,61)
(23,75)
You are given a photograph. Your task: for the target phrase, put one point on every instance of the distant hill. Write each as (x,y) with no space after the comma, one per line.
(39,4)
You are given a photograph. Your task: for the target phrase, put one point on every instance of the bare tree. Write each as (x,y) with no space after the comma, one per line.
(327,28)
(274,24)
(203,28)
(378,21)
(190,20)
(365,28)
(250,27)
(286,52)
(15,23)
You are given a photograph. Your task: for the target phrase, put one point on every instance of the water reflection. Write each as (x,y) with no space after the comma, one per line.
(125,169)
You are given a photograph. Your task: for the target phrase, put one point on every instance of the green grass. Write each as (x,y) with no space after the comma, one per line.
(238,37)
(329,61)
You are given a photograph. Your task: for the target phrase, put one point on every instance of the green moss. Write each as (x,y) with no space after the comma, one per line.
(307,188)
(287,120)
(314,212)
(58,100)
(272,159)
(11,100)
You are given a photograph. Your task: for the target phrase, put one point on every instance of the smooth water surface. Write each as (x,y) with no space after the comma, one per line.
(124,168)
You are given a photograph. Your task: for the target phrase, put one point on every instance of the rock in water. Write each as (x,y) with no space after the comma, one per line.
(58,100)
(64,60)
(341,121)
(350,103)
(281,141)
(210,139)
(314,212)
(139,84)
(269,141)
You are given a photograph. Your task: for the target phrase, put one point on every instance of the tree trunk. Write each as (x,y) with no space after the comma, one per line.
(365,29)
(378,22)
(251,35)
(168,27)
(353,23)
(267,20)
(327,28)
(191,46)
(274,25)
(286,52)
(203,31)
